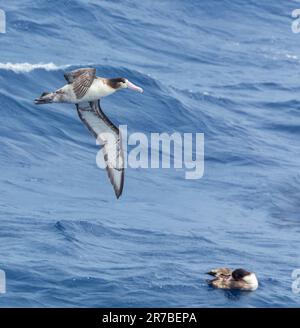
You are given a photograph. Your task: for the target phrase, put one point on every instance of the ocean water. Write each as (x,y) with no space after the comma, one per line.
(228,69)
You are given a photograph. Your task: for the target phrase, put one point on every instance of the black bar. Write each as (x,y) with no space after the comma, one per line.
(119,317)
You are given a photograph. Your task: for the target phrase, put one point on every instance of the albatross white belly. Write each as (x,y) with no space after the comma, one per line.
(96,91)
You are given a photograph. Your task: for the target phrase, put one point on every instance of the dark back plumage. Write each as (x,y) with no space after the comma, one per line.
(239,274)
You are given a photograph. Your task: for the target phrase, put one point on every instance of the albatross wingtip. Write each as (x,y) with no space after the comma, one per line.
(118,193)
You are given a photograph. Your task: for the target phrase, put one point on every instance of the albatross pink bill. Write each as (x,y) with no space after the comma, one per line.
(134,87)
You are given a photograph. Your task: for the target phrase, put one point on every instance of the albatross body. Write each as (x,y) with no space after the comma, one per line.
(98,89)
(85,90)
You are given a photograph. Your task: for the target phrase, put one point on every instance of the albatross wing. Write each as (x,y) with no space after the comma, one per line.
(109,136)
(81,79)
(220,272)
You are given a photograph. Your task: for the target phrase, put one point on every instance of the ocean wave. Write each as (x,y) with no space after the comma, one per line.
(27,67)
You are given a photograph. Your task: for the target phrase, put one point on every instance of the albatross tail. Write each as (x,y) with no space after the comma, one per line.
(45,98)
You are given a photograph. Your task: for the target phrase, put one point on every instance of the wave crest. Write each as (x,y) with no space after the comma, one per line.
(27,67)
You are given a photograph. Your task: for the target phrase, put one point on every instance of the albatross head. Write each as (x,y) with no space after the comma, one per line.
(122,83)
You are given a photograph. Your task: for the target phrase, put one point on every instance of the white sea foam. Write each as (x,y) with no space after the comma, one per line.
(27,67)
(290,56)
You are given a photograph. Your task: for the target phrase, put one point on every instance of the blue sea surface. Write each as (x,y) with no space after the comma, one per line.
(228,69)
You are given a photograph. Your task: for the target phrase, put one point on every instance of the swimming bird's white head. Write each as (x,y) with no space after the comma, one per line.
(122,83)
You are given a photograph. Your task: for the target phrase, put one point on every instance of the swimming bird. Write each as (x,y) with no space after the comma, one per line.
(233,279)
(85,90)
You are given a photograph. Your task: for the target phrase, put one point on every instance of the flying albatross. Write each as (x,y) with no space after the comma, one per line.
(85,89)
